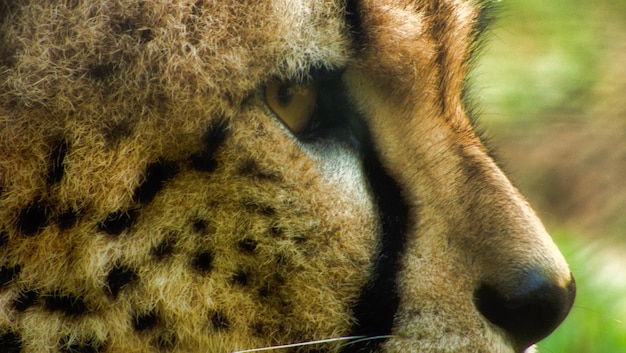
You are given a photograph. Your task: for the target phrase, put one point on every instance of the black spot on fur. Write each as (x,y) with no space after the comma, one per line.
(8,49)
(10,342)
(259,329)
(25,299)
(101,72)
(276,231)
(250,168)
(133,26)
(124,25)
(203,227)
(68,304)
(213,138)
(282,260)
(119,277)
(8,273)
(271,287)
(145,321)
(265,291)
(240,278)
(145,35)
(200,225)
(218,321)
(34,217)
(4,238)
(56,168)
(68,219)
(272,294)
(165,340)
(116,222)
(203,261)
(157,174)
(203,162)
(299,238)
(258,208)
(115,131)
(89,345)
(247,245)
(163,249)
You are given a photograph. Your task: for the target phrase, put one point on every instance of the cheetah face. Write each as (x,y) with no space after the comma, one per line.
(195,176)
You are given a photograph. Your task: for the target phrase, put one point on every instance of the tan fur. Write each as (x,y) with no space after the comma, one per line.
(125,85)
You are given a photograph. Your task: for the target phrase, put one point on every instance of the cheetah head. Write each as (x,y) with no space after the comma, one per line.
(203,176)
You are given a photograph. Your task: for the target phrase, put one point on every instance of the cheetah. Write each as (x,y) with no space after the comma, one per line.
(236,176)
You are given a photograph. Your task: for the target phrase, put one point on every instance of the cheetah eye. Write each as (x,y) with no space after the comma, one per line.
(293,102)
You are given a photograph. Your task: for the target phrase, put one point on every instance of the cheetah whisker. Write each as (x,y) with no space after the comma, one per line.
(327,340)
(365,339)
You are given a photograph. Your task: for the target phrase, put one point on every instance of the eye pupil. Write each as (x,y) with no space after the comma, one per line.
(284,94)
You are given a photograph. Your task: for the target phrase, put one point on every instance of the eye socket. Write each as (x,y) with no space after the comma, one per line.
(293,102)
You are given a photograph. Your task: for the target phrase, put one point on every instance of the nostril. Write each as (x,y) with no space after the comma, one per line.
(529,312)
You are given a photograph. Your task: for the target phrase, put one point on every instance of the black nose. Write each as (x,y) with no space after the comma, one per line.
(531,310)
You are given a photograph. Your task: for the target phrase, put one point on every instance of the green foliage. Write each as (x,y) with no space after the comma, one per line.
(544,55)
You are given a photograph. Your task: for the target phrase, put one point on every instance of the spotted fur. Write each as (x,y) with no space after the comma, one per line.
(151,201)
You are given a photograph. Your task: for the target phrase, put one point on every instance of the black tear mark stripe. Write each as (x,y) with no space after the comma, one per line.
(379,300)
(213,138)
(119,277)
(56,167)
(156,175)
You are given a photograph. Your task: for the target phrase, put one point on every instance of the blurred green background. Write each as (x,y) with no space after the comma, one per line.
(551,83)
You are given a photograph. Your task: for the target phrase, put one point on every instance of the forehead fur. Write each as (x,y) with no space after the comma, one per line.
(187,52)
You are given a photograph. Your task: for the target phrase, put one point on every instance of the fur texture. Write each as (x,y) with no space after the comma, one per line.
(151,201)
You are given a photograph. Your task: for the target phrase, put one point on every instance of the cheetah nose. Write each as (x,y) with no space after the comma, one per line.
(530,310)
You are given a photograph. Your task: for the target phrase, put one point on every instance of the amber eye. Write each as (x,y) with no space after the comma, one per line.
(292,102)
